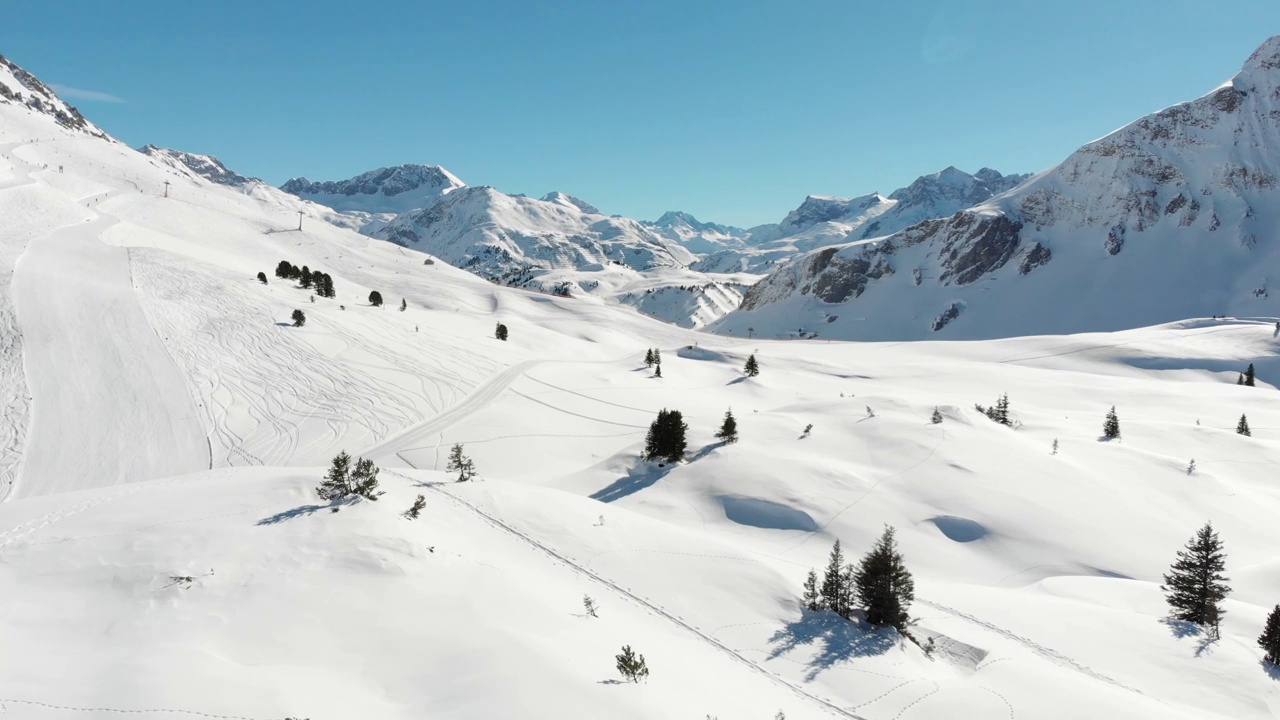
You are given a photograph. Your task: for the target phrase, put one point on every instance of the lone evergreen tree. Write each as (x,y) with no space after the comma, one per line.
(1249,376)
(334,485)
(404,304)
(500,332)
(631,665)
(461,464)
(1111,426)
(1002,410)
(415,509)
(728,429)
(589,606)
(1242,427)
(812,599)
(937,417)
(1269,640)
(1195,585)
(648,357)
(342,482)
(666,438)
(835,584)
(375,298)
(883,585)
(752,368)
(299,318)
(262,278)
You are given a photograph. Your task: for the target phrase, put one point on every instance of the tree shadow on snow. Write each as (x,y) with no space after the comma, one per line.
(840,639)
(638,478)
(1183,629)
(1272,670)
(303,510)
(737,380)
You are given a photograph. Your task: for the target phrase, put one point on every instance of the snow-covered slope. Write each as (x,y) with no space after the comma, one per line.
(1171,216)
(206,166)
(397,189)
(17,86)
(164,554)
(696,236)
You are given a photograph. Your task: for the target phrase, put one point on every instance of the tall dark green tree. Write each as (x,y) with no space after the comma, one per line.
(728,429)
(752,368)
(299,318)
(1111,426)
(375,298)
(883,585)
(404,304)
(666,438)
(1269,640)
(657,370)
(295,272)
(1242,427)
(835,584)
(334,484)
(284,269)
(1249,376)
(812,598)
(1195,587)
(307,279)
(657,356)
(1002,410)
(648,357)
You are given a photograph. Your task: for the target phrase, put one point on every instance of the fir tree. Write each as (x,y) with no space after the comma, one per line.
(1111,426)
(415,509)
(1240,379)
(937,417)
(883,585)
(648,357)
(657,370)
(589,606)
(1269,640)
(1055,447)
(1242,427)
(1002,410)
(262,278)
(631,665)
(500,332)
(295,272)
(752,368)
(1249,376)
(728,429)
(284,269)
(812,598)
(364,480)
(404,304)
(834,590)
(307,279)
(666,438)
(336,481)
(375,298)
(1195,585)
(299,318)
(1191,467)
(657,356)
(461,464)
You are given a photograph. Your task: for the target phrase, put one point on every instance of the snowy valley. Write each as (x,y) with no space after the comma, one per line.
(169,415)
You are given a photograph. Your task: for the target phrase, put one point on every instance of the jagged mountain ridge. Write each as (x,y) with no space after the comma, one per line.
(1171,216)
(398,189)
(21,87)
(206,166)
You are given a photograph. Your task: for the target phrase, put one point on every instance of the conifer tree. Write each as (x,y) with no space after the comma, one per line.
(883,585)
(752,368)
(1111,426)
(500,332)
(1002,410)
(299,318)
(835,590)
(812,599)
(284,269)
(728,429)
(404,304)
(1240,379)
(1242,427)
(631,665)
(648,357)
(1195,586)
(666,438)
(1269,640)
(295,272)
(461,464)
(262,278)
(657,356)
(1249,376)
(415,509)
(335,482)
(657,370)
(937,417)
(306,278)
(375,298)
(364,480)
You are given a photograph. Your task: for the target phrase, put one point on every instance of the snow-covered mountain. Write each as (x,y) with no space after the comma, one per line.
(21,87)
(397,189)
(206,166)
(696,236)
(1171,216)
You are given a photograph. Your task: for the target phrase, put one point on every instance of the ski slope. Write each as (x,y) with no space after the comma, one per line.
(164,420)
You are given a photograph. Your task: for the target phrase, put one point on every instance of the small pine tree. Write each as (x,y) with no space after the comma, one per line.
(299,318)
(404,304)
(1111,426)
(1242,427)
(589,606)
(262,278)
(937,417)
(1239,379)
(1002,410)
(461,464)
(657,371)
(375,298)
(416,508)
(666,437)
(812,598)
(883,585)
(807,429)
(728,429)
(1249,376)
(1269,640)
(1191,467)
(1055,447)
(1195,585)
(648,357)
(834,590)
(364,480)
(752,368)
(335,482)
(500,332)
(657,356)
(631,665)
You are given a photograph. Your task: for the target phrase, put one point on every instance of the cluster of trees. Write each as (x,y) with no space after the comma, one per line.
(998,412)
(321,282)
(1195,587)
(653,359)
(879,584)
(343,481)
(500,332)
(1248,377)
(666,438)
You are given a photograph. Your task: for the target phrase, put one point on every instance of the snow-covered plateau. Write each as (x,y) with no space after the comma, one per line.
(166,421)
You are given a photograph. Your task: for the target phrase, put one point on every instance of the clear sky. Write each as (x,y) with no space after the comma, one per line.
(731,110)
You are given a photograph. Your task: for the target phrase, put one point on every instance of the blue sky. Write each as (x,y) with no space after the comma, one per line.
(733,111)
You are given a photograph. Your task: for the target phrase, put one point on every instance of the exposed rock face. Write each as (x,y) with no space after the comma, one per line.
(19,86)
(386,190)
(1172,216)
(206,166)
